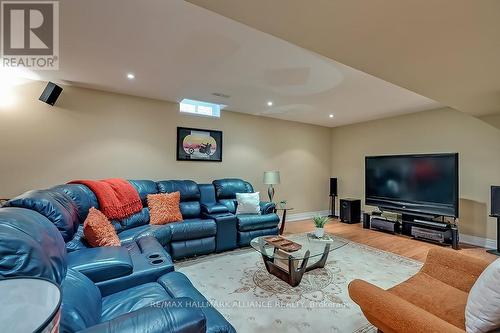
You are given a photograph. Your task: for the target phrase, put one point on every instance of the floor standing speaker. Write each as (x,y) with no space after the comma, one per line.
(333,197)
(495,201)
(495,212)
(333,186)
(350,210)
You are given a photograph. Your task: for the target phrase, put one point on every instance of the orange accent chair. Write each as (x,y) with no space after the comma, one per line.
(433,300)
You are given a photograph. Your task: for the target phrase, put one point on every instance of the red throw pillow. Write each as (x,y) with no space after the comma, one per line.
(164,208)
(98,230)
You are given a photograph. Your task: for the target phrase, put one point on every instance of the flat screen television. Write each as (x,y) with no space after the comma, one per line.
(424,184)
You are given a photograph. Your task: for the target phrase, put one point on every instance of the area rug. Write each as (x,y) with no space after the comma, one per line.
(239,286)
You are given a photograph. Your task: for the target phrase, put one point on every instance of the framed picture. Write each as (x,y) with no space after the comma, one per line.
(195,144)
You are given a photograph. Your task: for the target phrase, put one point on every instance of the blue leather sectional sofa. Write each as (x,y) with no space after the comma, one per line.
(132,287)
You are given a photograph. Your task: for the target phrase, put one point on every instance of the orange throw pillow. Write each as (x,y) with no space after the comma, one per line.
(164,208)
(98,230)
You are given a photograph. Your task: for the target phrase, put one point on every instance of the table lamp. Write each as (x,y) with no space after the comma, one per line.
(271,178)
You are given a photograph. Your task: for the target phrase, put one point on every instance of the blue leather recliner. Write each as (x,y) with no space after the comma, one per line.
(132,287)
(193,236)
(248,225)
(33,244)
(210,224)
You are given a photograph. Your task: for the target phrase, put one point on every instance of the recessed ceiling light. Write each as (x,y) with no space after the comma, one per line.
(270,103)
(331,116)
(130,76)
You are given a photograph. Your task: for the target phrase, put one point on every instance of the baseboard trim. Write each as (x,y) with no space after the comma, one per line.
(467,239)
(478,241)
(305,215)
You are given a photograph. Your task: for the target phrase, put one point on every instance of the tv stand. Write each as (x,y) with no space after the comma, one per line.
(419,227)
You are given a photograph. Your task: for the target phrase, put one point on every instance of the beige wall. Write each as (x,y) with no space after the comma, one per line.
(493,120)
(93,134)
(445,130)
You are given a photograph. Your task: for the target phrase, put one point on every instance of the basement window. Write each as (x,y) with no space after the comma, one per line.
(200,108)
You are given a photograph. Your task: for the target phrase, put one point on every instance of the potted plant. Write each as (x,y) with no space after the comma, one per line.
(282,203)
(319,222)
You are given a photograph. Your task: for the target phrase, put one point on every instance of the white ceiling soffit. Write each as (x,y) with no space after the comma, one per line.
(178,50)
(447,50)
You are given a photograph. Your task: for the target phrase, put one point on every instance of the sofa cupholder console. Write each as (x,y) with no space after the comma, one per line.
(226,230)
(157,261)
(117,268)
(154,256)
(150,261)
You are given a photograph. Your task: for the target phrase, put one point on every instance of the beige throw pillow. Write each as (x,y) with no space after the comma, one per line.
(248,203)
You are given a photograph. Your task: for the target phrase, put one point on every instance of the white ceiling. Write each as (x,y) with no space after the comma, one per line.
(178,50)
(447,50)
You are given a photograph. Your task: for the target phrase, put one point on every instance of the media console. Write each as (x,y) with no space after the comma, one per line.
(415,226)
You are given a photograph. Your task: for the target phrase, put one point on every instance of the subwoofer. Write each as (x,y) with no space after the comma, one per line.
(350,210)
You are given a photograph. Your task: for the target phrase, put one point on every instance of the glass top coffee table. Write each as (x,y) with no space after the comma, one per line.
(291,266)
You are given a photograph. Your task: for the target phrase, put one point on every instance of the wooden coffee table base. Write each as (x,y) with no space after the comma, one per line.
(294,275)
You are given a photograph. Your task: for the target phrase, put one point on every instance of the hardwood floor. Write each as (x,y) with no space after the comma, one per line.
(398,244)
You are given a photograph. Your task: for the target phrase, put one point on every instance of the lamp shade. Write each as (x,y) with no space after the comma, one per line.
(271,177)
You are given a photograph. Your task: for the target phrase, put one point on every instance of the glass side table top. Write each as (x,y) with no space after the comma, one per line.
(29,305)
(311,246)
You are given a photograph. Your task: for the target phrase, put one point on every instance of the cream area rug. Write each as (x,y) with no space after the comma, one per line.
(239,286)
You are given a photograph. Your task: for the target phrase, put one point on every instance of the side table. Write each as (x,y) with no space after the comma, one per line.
(29,304)
(283,218)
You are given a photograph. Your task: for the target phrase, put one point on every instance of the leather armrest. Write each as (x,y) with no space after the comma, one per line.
(144,253)
(101,263)
(267,207)
(149,245)
(390,313)
(214,208)
(176,316)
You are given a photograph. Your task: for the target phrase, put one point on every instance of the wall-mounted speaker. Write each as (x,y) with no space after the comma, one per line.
(495,201)
(333,186)
(51,93)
